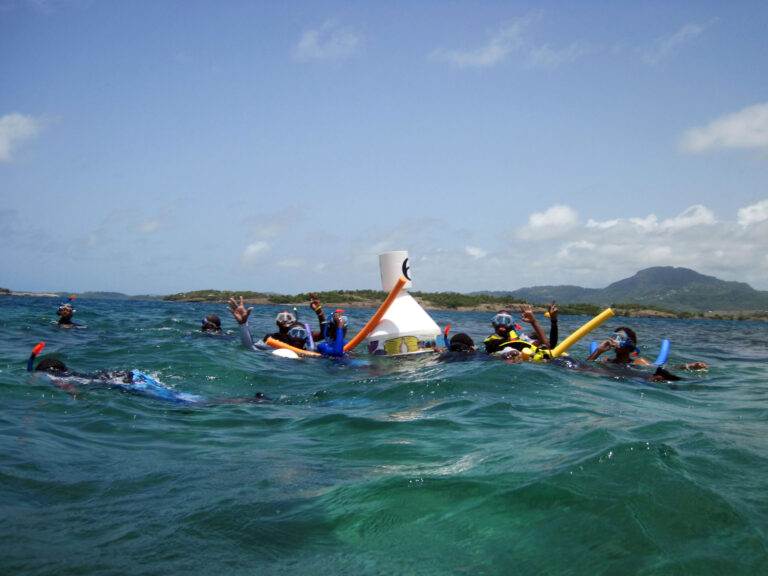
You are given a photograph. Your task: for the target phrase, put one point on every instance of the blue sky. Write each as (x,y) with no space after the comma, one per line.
(155,147)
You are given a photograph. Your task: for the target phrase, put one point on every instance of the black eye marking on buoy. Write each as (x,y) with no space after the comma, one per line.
(406,268)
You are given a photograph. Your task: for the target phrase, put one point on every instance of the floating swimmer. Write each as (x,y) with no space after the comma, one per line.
(65,313)
(130,381)
(211,324)
(623,341)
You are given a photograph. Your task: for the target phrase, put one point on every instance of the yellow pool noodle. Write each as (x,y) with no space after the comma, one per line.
(581,332)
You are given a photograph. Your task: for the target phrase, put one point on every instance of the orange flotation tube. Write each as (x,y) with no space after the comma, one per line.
(277,344)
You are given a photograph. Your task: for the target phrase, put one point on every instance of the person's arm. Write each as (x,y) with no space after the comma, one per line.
(240,313)
(602,348)
(553,333)
(317,307)
(338,344)
(526,314)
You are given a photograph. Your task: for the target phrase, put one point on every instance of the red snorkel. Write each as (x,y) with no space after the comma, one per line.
(35,351)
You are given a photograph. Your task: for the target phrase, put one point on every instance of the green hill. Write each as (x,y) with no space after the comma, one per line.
(663,287)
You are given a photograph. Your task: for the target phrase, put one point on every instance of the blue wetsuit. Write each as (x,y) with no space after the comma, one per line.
(332,346)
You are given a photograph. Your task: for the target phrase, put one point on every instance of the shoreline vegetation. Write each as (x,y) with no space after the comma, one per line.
(429,300)
(459,302)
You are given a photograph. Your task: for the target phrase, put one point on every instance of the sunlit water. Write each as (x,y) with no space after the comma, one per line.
(413,467)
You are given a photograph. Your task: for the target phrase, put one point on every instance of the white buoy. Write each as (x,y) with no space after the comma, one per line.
(284,353)
(405,328)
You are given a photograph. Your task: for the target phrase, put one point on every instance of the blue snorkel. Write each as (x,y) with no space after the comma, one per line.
(663,356)
(310,340)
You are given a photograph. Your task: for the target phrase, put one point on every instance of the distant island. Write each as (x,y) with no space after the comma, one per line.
(662,291)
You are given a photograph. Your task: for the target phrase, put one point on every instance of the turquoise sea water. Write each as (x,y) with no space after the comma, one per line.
(387,467)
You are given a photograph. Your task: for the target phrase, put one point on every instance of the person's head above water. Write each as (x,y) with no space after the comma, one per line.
(211,323)
(503,322)
(623,341)
(65,313)
(298,335)
(339,318)
(284,320)
(51,365)
(624,338)
(461,343)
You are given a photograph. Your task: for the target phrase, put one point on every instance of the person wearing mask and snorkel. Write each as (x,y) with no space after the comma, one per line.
(130,381)
(623,342)
(65,313)
(508,342)
(332,334)
(211,324)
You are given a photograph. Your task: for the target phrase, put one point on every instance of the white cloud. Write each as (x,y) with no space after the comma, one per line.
(329,42)
(664,47)
(493,52)
(253,253)
(753,213)
(747,128)
(291,263)
(513,39)
(696,215)
(475,252)
(15,128)
(568,249)
(602,225)
(553,222)
(545,56)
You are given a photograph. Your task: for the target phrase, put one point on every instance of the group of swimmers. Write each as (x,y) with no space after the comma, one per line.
(508,341)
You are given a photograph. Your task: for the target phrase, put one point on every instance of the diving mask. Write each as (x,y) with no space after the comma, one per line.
(503,319)
(621,339)
(298,333)
(285,318)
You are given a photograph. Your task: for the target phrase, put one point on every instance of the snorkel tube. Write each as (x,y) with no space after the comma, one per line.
(661,359)
(310,340)
(374,321)
(581,332)
(35,351)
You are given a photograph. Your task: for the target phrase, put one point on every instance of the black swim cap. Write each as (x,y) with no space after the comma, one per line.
(51,365)
(461,343)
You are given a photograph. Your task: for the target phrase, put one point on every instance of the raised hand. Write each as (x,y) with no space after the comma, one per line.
(526,313)
(239,311)
(552,311)
(314,302)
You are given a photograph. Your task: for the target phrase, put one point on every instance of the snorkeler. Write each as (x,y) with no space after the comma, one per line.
(623,342)
(460,347)
(65,313)
(130,381)
(509,342)
(333,334)
(211,324)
